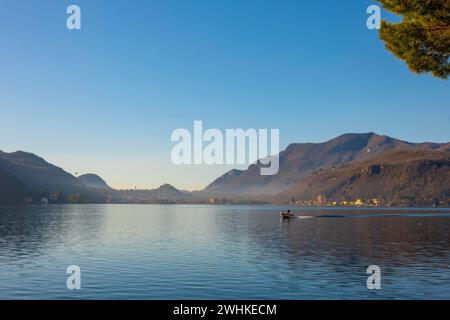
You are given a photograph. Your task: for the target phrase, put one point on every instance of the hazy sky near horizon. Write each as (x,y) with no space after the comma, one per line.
(106,98)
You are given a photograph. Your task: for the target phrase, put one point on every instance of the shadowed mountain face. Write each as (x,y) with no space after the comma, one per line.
(12,190)
(299,160)
(24,174)
(37,174)
(93,181)
(413,177)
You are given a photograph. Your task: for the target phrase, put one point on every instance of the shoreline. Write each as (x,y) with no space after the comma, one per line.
(445,209)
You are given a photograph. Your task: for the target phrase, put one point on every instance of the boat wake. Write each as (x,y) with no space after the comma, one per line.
(372,215)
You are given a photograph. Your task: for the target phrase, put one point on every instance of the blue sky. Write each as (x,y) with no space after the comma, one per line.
(106,98)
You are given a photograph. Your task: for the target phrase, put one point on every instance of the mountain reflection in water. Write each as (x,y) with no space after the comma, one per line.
(222,252)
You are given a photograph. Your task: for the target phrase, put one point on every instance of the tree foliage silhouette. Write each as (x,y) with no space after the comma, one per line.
(422,38)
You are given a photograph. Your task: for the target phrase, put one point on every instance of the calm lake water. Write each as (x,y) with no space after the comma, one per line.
(222,252)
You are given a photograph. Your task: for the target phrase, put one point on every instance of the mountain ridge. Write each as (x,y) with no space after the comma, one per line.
(400,177)
(38,174)
(299,160)
(93,181)
(308,171)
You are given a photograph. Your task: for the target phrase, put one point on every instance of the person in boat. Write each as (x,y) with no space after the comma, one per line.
(287,214)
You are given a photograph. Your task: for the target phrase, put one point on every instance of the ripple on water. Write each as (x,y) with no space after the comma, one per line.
(222,252)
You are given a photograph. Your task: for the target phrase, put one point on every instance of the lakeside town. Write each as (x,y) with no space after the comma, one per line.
(57,197)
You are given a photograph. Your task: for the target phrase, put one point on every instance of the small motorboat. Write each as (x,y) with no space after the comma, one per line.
(287,215)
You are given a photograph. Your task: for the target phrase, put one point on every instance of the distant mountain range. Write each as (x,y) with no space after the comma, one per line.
(25,177)
(299,160)
(164,194)
(352,168)
(400,177)
(38,174)
(93,181)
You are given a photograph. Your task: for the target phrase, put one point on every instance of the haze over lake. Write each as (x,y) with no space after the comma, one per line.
(222,252)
